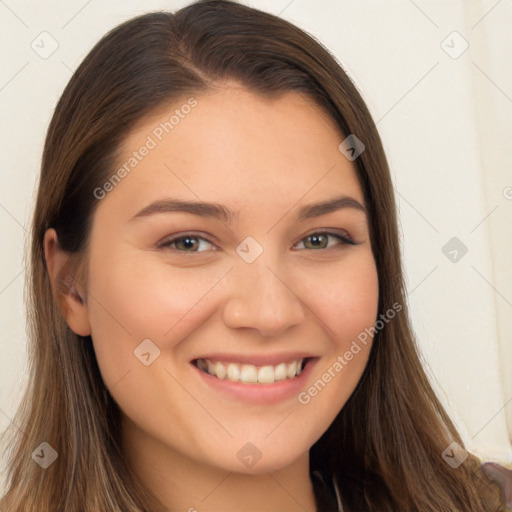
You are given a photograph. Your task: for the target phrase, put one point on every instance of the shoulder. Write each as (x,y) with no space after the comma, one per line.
(501,477)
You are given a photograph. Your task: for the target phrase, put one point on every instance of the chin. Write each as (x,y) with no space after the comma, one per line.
(259,456)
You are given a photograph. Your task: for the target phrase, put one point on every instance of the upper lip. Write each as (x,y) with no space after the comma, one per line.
(257,359)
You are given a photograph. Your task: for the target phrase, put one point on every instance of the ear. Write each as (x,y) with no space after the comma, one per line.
(69,295)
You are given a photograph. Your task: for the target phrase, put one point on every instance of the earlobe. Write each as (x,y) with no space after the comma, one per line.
(69,296)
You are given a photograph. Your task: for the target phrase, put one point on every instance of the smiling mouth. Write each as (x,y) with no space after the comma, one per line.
(251,374)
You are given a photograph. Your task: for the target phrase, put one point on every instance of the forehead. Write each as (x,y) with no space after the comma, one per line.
(231,145)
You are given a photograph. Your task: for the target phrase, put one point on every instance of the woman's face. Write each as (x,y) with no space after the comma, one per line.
(246,288)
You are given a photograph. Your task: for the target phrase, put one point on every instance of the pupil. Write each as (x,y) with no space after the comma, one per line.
(316,238)
(188,242)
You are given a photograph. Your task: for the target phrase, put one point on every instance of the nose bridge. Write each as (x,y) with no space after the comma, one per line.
(260,297)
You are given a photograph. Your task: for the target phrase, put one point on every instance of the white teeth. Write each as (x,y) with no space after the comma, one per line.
(233,372)
(280,372)
(266,374)
(220,370)
(250,373)
(291,371)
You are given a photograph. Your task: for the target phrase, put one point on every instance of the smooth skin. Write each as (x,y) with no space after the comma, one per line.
(265,159)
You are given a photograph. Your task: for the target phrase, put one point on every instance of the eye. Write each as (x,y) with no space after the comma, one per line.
(188,242)
(319,240)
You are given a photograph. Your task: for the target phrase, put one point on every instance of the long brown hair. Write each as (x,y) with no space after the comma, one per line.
(384,447)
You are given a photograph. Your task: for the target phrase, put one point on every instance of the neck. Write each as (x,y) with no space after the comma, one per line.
(183,484)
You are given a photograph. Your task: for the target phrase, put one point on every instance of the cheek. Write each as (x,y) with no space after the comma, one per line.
(346,303)
(135,299)
(139,300)
(345,297)
(144,296)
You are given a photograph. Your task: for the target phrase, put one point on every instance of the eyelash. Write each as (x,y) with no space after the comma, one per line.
(167,243)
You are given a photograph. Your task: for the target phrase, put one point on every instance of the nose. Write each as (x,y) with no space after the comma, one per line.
(262,298)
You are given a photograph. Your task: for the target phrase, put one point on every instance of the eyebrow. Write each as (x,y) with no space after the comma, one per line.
(222,213)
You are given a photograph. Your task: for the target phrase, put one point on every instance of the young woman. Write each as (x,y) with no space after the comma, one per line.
(217,307)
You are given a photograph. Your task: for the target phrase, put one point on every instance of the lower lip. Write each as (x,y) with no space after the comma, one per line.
(259,393)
